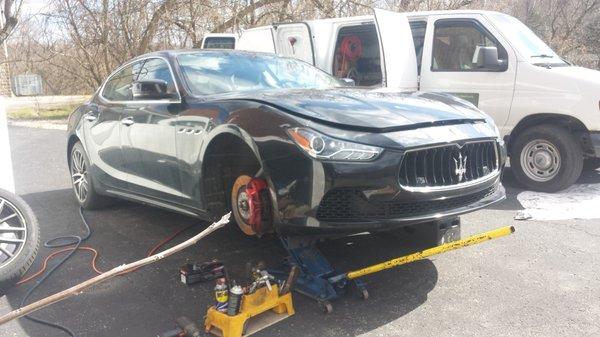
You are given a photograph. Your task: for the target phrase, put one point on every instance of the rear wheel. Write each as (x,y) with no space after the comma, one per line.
(19,239)
(81,180)
(546,158)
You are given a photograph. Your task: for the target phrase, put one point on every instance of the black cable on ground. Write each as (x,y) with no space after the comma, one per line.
(58,242)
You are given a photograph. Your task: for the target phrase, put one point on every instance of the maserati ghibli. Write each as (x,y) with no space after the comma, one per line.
(284,146)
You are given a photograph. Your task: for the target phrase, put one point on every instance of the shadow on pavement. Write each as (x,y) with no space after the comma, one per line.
(146,302)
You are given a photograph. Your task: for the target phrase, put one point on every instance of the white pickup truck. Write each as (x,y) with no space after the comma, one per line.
(547,109)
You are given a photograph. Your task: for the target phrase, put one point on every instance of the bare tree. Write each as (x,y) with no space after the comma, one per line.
(9,14)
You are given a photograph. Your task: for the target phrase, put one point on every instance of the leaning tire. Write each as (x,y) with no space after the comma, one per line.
(82,181)
(546,158)
(19,239)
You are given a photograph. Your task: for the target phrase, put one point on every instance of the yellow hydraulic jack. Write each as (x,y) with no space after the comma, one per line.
(318,280)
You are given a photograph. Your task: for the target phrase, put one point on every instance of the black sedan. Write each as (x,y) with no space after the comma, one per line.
(285,146)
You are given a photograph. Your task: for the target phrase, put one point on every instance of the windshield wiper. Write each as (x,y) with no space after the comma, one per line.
(543,56)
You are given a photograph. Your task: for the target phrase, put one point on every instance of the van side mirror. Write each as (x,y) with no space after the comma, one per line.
(348,82)
(150,89)
(486,58)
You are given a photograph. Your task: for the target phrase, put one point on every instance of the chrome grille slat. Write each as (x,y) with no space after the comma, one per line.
(436,166)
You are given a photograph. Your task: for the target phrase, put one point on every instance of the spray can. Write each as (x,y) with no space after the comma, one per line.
(235,300)
(221,295)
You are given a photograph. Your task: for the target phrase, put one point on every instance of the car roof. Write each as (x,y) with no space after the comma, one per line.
(171,53)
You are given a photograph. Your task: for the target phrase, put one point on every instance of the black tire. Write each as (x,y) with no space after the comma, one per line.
(591,164)
(568,154)
(91,200)
(12,268)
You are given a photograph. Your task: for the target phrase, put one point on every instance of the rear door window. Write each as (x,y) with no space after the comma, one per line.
(357,55)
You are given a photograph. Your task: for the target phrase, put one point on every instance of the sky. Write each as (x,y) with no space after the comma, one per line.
(32,7)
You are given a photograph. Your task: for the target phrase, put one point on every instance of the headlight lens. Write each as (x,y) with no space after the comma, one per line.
(320,146)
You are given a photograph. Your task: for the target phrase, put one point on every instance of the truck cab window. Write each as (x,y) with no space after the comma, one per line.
(418,29)
(455,43)
(357,55)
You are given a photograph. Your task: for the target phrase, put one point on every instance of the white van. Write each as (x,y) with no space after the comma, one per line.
(547,109)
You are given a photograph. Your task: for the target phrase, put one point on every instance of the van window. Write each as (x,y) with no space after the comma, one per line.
(418,29)
(219,42)
(455,43)
(357,55)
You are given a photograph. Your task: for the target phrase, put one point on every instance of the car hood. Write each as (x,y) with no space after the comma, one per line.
(372,110)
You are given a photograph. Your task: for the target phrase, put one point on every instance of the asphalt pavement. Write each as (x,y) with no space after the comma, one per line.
(543,280)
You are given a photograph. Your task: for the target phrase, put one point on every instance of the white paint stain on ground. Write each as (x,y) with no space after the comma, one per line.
(576,202)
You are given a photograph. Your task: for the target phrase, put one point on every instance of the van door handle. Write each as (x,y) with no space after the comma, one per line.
(127,121)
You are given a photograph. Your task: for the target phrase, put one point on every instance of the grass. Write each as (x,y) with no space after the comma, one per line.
(38,113)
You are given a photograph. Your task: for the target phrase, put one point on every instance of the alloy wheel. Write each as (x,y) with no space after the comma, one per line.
(79,175)
(540,160)
(13,232)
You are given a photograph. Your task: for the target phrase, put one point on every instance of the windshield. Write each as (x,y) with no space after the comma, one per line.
(220,72)
(525,41)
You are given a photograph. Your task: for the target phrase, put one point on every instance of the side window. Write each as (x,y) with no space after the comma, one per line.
(118,87)
(455,44)
(418,29)
(357,55)
(158,69)
(219,43)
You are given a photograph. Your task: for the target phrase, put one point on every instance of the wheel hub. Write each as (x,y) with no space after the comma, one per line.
(242,204)
(540,160)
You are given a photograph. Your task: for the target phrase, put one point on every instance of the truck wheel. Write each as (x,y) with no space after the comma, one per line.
(19,239)
(546,158)
(82,181)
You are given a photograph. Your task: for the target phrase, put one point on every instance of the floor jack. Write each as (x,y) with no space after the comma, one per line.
(318,279)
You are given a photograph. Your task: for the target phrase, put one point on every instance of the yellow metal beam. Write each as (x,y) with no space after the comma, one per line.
(470,241)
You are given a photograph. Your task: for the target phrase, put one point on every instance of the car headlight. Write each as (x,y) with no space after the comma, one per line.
(320,146)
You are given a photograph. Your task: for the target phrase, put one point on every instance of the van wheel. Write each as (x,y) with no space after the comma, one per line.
(546,158)
(19,239)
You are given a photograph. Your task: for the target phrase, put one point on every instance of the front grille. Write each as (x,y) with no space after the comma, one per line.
(351,205)
(448,165)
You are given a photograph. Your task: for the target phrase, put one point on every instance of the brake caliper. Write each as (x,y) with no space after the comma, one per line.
(259,205)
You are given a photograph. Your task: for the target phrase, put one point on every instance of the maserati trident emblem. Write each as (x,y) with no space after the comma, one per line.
(460,166)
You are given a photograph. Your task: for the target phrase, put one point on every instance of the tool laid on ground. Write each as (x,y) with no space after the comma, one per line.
(318,280)
(262,304)
(192,273)
(185,328)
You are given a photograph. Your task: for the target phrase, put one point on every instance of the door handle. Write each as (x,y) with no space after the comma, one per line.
(127,121)
(89,117)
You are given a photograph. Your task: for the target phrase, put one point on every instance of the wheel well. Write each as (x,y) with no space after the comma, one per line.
(573,125)
(72,140)
(226,158)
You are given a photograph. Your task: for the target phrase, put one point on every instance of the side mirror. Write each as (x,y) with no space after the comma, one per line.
(487,58)
(348,82)
(150,89)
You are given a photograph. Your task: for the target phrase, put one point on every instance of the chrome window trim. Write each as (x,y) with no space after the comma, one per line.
(430,189)
(162,101)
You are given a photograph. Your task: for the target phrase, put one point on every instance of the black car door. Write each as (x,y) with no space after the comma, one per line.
(102,128)
(148,132)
